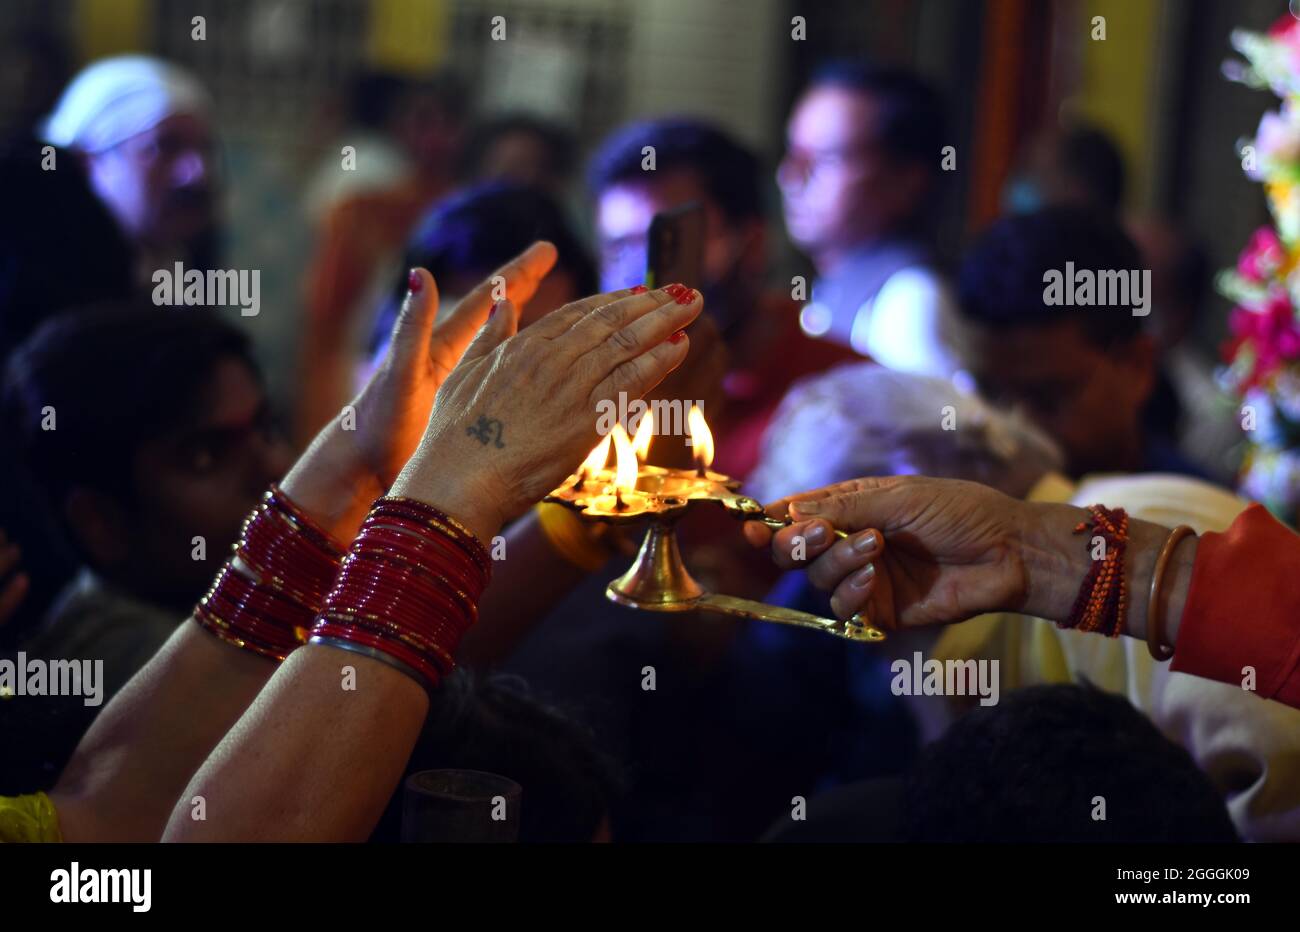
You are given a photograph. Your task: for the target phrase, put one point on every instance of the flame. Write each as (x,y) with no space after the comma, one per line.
(701,438)
(645,432)
(596,459)
(625,456)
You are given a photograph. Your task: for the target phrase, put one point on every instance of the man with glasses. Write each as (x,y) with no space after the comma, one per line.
(863,156)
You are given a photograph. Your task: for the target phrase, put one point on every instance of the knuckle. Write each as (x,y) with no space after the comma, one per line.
(625,339)
(608,314)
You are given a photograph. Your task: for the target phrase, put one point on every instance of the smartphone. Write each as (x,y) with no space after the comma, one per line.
(676,247)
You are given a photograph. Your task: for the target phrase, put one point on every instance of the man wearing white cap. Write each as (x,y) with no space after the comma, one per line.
(142,128)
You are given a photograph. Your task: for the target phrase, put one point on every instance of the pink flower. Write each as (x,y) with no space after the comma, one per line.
(1262,257)
(1271,333)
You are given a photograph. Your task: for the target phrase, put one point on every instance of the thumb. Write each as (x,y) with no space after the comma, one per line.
(415,320)
(502,323)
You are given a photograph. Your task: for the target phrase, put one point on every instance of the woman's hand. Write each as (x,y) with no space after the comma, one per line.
(922,551)
(358,455)
(520,411)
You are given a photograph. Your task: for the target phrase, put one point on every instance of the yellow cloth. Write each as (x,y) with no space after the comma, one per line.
(1249,748)
(26,819)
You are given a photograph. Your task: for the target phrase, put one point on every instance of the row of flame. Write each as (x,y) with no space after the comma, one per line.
(630,452)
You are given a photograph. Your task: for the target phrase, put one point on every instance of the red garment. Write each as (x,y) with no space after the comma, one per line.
(777,353)
(1243,607)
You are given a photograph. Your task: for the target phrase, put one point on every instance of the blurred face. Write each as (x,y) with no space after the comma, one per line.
(521,157)
(160,184)
(623,215)
(838,187)
(203,480)
(1089,400)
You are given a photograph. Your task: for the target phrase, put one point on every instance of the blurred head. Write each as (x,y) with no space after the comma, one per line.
(162,432)
(142,127)
(1082,373)
(429,121)
(521,149)
(466,237)
(1037,766)
(1180,278)
(863,152)
(1076,167)
(694,162)
(862,419)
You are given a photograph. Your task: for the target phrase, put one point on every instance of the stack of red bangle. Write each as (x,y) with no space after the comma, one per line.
(408,589)
(294,562)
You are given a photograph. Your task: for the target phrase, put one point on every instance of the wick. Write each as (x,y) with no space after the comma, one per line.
(701,472)
(619,504)
(582,480)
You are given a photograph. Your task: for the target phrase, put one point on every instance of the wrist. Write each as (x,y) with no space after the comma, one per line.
(458,498)
(331,484)
(1056,560)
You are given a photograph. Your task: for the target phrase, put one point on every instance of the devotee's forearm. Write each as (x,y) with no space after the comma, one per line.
(530,581)
(277,776)
(126,774)
(1056,560)
(174,711)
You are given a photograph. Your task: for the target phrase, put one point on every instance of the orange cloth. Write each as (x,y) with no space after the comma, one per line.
(1243,607)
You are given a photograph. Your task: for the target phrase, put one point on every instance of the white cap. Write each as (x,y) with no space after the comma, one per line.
(116,98)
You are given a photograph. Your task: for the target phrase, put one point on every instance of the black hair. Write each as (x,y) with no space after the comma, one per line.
(112,378)
(478,229)
(59,247)
(495,724)
(729,172)
(1001,283)
(912,123)
(558,142)
(1092,158)
(373,97)
(1033,767)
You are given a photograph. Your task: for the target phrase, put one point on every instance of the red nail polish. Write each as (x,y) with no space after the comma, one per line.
(673,290)
(677,337)
(414,281)
(639,289)
(493,309)
(685,296)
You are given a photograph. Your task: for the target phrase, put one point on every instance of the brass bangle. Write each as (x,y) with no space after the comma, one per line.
(1156,603)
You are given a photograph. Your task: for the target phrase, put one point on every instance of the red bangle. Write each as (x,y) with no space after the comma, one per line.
(407,591)
(292,562)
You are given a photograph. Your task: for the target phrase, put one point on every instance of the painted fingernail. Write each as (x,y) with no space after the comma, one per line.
(494,307)
(865,543)
(677,337)
(685,296)
(863,576)
(674,290)
(816,534)
(806,508)
(639,289)
(414,281)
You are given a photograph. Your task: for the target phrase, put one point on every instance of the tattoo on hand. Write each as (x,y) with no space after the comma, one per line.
(487,430)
